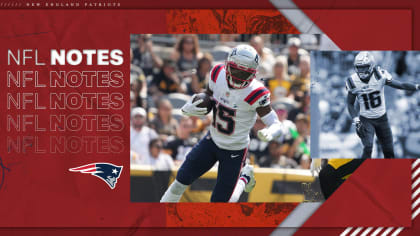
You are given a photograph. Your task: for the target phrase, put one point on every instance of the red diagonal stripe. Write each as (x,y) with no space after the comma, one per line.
(80,168)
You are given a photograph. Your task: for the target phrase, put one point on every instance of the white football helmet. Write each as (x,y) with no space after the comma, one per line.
(364,64)
(241,66)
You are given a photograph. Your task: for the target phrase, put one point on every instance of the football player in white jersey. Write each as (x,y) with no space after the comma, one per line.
(367,86)
(238,98)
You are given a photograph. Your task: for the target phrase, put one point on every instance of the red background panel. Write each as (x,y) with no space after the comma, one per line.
(369,5)
(366,29)
(39,191)
(157,4)
(377,194)
(139,231)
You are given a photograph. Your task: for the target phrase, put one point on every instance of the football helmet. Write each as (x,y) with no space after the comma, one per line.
(364,64)
(241,66)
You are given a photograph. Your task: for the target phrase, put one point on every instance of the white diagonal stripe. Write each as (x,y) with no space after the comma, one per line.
(386,232)
(415,213)
(356,231)
(415,163)
(296,218)
(415,183)
(345,232)
(296,16)
(377,231)
(366,231)
(417,172)
(414,195)
(303,23)
(397,231)
(415,204)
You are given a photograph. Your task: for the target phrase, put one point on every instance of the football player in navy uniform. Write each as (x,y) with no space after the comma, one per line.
(238,99)
(367,86)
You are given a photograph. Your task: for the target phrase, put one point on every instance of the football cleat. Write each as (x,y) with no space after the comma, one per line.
(247,175)
(364,64)
(241,66)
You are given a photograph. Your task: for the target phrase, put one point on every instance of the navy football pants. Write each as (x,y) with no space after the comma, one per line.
(202,158)
(381,127)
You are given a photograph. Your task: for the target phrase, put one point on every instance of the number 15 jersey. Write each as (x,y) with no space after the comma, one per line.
(234,112)
(370,95)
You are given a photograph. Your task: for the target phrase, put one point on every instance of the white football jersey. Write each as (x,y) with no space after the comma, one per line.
(370,95)
(235,111)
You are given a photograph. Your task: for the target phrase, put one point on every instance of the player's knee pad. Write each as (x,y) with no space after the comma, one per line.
(177,188)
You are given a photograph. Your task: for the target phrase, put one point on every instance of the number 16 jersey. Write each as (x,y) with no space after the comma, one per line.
(234,112)
(370,95)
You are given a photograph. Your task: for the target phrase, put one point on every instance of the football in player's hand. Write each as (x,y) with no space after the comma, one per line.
(207,101)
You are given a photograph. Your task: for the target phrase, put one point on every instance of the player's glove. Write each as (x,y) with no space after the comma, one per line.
(190,108)
(417,86)
(265,135)
(360,130)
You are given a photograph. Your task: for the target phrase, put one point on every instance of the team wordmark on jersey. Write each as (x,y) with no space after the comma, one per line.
(107,172)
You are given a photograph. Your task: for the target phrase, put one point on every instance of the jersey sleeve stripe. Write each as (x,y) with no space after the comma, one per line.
(259,95)
(350,83)
(256,94)
(215,72)
(253,92)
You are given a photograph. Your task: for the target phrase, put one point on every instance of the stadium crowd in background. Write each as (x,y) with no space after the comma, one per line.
(166,70)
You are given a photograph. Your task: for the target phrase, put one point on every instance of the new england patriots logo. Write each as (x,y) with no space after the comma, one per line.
(105,171)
